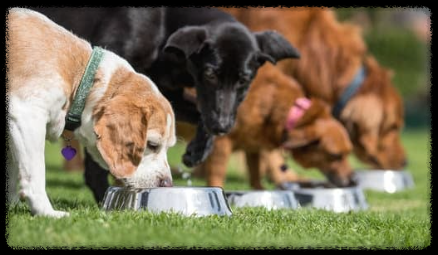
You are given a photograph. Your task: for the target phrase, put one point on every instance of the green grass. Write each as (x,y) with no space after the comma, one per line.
(393,221)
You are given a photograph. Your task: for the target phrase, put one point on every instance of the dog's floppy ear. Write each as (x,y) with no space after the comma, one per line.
(300,137)
(185,41)
(121,128)
(274,47)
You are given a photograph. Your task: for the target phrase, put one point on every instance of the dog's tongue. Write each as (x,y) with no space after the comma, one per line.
(68,152)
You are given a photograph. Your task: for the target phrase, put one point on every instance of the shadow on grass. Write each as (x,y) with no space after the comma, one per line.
(57,168)
(18,208)
(64,183)
(65,204)
(69,204)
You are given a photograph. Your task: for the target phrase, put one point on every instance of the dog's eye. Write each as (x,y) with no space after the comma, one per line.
(153,146)
(392,128)
(336,156)
(210,73)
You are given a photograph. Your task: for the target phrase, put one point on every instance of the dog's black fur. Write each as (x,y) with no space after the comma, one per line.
(203,48)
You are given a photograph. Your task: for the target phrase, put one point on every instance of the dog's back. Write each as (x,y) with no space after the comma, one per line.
(81,19)
(33,38)
(331,51)
(179,17)
(114,28)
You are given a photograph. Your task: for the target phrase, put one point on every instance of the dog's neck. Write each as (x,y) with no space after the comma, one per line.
(281,110)
(338,61)
(349,92)
(307,112)
(73,69)
(73,117)
(296,112)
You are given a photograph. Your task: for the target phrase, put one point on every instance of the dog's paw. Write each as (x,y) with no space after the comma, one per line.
(55,214)
(196,152)
(59,214)
(192,160)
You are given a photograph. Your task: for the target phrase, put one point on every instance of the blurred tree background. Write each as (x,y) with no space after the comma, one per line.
(400,38)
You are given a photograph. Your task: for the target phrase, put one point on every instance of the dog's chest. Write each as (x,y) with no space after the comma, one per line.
(56,121)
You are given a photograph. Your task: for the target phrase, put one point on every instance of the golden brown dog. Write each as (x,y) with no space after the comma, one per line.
(263,124)
(331,55)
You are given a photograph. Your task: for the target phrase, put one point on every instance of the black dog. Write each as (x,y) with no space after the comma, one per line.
(203,48)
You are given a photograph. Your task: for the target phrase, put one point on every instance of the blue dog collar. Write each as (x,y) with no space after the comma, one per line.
(349,92)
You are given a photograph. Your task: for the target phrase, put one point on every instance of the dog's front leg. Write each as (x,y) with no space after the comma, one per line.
(26,146)
(253,162)
(216,164)
(199,148)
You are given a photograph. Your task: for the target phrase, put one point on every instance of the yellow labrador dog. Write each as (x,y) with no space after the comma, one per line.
(126,124)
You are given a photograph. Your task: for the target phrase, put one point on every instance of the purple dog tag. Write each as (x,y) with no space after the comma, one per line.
(68,152)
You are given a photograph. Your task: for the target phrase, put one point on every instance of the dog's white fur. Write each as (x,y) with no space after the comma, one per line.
(40,92)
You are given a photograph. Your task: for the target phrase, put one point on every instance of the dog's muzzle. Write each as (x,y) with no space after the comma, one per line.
(219,126)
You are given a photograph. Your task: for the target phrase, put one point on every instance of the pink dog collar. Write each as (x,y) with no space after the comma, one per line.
(297,111)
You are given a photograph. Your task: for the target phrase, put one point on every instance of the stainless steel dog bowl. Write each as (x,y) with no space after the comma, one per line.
(389,181)
(318,194)
(269,199)
(188,201)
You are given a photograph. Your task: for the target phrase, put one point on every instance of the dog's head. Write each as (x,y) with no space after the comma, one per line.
(318,140)
(223,59)
(133,125)
(374,120)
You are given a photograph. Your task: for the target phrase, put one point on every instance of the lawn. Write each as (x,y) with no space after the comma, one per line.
(393,221)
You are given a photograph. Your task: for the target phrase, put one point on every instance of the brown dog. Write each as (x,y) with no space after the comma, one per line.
(264,124)
(271,162)
(331,55)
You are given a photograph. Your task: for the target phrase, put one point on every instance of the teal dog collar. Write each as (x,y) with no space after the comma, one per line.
(73,117)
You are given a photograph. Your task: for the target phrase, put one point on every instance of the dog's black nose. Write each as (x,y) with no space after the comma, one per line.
(166,182)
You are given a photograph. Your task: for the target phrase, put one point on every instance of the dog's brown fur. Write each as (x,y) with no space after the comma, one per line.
(318,140)
(271,162)
(331,54)
(45,64)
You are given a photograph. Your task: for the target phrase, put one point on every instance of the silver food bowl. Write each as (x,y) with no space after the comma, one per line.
(389,181)
(322,195)
(188,201)
(269,199)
